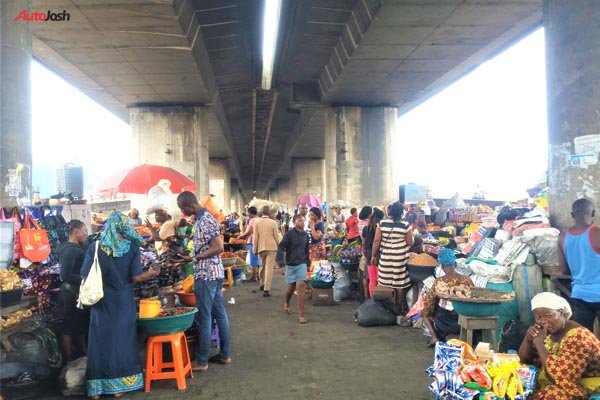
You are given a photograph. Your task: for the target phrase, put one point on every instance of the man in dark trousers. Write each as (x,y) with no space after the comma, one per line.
(295,246)
(579,254)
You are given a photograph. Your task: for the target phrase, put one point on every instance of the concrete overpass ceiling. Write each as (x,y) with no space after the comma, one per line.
(399,52)
(330,52)
(135,52)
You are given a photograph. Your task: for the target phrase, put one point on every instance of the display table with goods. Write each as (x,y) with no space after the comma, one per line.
(509,255)
(461,373)
(346,257)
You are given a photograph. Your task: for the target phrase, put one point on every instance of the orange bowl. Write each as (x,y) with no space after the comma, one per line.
(188,299)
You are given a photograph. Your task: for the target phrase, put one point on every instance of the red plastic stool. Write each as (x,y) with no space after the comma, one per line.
(178,369)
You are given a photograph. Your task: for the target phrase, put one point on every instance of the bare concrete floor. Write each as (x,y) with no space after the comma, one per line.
(328,358)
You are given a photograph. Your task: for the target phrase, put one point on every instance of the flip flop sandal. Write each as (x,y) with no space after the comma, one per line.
(302,320)
(287,310)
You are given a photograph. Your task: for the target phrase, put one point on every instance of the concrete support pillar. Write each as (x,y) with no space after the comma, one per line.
(220,179)
(308,177)
(283,194)
(573,90)
(235,196)
(175,137)
(358,154)
(15,104)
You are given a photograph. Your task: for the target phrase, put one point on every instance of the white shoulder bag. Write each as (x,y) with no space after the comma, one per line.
(91,290)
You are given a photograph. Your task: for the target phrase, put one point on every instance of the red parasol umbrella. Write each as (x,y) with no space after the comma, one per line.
(142,178)
(310,200)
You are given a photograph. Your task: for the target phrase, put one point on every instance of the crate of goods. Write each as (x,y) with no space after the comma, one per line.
(322,297)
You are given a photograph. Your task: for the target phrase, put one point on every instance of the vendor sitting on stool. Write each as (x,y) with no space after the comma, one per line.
(568,353)
(438,314)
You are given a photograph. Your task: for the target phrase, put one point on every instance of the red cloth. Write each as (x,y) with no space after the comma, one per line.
(352,227)
(373,276)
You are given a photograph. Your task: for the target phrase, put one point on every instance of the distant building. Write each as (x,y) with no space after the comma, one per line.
(69,179)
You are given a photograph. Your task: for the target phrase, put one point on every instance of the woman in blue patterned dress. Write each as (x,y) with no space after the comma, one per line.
(113,365)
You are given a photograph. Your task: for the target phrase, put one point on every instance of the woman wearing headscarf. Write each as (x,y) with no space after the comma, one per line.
(568,353)
(113,364)
(394,238)
(316,228)
(134,217)
(438,314)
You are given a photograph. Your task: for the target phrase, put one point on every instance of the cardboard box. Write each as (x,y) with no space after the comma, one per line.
(322,297)
(384,293)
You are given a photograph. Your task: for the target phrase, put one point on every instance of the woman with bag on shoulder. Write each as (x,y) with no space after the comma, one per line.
(113,365)
(76,321)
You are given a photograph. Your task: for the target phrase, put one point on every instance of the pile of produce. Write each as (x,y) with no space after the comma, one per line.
(346,253)
(173,311)
(14,318)
(9,280)
(475,295)
(234,240)
(227,254)
(423,260)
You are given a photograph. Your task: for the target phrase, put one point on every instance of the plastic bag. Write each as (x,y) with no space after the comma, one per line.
(72,378)
(545,250)
(513,333)
(341,287)
(213,208)
(373,313)
(92,290)
(7,240)
(160,196)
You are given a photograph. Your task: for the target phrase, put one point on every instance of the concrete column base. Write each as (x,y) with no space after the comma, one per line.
(220,179)
(358,155)
(573,79)
(175,137)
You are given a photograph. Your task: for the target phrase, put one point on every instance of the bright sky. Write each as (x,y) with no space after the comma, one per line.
(487,129)
(70,127)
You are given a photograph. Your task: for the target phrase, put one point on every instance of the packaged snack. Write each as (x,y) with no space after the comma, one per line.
(476,372)
(447,357)
(467,352)
(528,375)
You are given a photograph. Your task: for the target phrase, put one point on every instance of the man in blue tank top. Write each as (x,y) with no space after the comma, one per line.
(579,255)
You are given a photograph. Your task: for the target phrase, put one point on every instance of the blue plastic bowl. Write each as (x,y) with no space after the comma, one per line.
(471,309)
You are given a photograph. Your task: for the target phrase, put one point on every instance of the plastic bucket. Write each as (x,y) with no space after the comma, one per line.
(149,308)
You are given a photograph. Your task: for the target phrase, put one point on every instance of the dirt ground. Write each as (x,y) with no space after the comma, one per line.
(328,358)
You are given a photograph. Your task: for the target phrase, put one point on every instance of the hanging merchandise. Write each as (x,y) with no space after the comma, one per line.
(15,217)
(34,241)
(56,227)
(7,240)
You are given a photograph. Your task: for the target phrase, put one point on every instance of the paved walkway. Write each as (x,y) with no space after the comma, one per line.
(328,358)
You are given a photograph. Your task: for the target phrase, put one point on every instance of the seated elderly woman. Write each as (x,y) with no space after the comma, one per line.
(568,354)
(438,314)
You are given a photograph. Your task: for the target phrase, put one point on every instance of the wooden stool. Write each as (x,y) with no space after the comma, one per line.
(181,366)
(229,280)
(470,324)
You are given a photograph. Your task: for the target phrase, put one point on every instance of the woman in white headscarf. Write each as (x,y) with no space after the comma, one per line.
(568,354)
